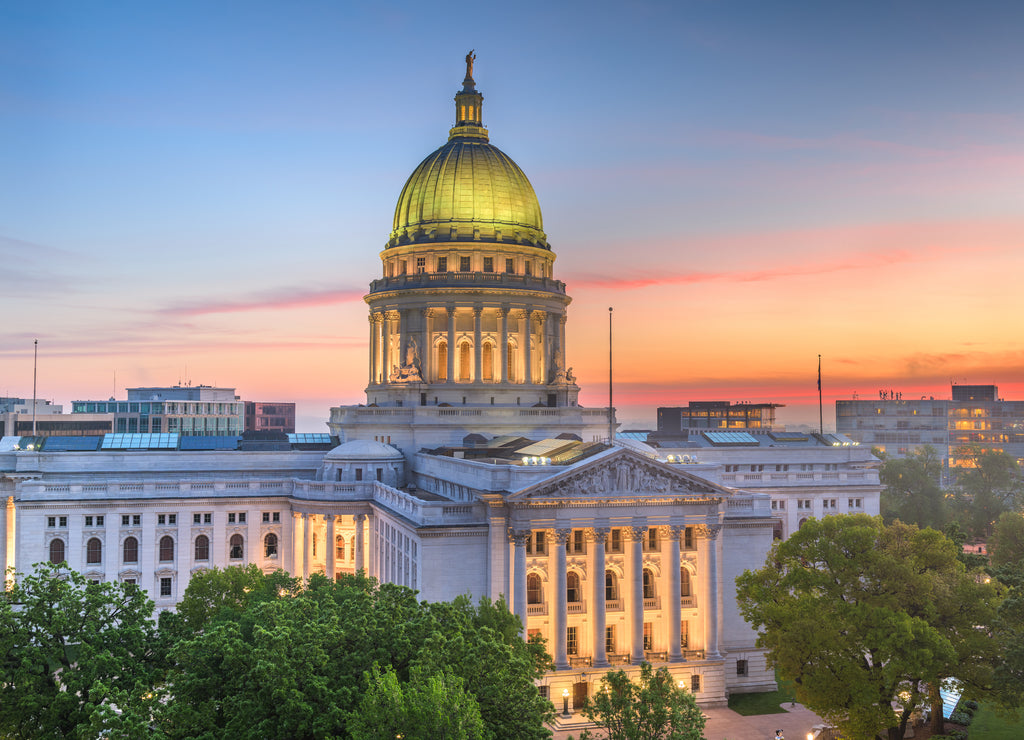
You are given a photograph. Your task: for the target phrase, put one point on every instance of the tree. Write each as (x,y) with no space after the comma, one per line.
(68,648)
(912,492)
(855,612)
(990,486)
(1008,680)
(426,708)
(654,708)
(1007,543)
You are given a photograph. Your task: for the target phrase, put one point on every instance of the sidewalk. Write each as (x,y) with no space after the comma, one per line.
(725,724)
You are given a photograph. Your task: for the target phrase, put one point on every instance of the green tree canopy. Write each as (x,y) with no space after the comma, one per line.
(912,491)
(855,612)
(68,647)
(653,708)
(1006,546)
(984,491)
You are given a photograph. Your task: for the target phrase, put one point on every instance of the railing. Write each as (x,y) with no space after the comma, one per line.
(466,279)
(536,610)
(652,603)
(655,655)
(613,605)
(618,658)
(693,655)
(688,602)
(580,661)
(577,607)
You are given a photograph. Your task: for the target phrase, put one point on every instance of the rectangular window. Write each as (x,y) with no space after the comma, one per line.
(99,520)
(197,518)
(231,518)
(694,683)
(527,269)
(359,473)
(488,264)
(574,544)
(741,668)
(684,635)
(161,519)
(241,517)
(380,473)
(172,518)
(688,539)
(207,518)
(571,646)
(648,635)
(609,639)
(88,521)
(136,520)
(277,516)
(442,264)
(532,633)
(401,267)
(124,520)
(510,266)
(463,264)
(541,544)
(616,541)
(421,265)
(62,521)
(652,539)
(165,586)
(51,521)
(266,517)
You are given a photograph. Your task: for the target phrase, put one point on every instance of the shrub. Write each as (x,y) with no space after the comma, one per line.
(960,718)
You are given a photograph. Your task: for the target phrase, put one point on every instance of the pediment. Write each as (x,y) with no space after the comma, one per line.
(622,474)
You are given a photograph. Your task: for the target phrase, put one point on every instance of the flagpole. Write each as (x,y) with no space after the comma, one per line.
(821,417)
(611,407)
(35,362)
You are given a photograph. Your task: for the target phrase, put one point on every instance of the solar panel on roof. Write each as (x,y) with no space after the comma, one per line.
(730,438)
(70,444)
(139,442)
(309,438)
(788,436)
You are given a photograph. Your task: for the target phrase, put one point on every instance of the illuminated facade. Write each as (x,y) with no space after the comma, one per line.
(178,409)
(974,417)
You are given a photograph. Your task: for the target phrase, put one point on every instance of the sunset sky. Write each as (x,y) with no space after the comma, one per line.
(199,191)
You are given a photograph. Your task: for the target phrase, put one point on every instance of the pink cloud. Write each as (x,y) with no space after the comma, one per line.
(276,299)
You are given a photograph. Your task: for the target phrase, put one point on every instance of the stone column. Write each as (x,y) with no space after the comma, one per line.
(331,551)
(561,607)
(307,545)
(478,350)
(373,343)
(600,647)
(386,355)
(527,349)
(519,575)
(297,529)
(711,612)
(426,366)
(675,612)
(360,564)
(503,353)
(636,591)
(561,341)
(548,348)
(451,344)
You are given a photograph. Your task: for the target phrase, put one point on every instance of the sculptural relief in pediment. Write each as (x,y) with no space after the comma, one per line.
(624,476)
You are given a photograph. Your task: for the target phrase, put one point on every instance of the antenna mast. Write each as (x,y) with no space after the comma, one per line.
(611,407)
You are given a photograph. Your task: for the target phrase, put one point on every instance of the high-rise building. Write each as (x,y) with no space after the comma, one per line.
(270,416)
(196,410)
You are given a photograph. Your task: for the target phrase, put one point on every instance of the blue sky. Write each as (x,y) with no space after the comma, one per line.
(201,190)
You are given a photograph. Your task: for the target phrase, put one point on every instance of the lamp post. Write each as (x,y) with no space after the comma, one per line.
(565,703)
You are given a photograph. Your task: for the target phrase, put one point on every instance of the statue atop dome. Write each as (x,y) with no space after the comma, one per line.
(470,58)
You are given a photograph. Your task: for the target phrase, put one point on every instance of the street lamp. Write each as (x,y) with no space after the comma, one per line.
(565,703)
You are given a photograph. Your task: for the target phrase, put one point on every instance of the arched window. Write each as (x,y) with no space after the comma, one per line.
(236,551)
(270,545)
(611,586)
(442,361)
(533,589)
(339,547)
(684,582)
(166,549)
(94,550)
(131,550)
(465,359)
(202,547)
(648,584)
(57,551)
(488,361)
(572,588)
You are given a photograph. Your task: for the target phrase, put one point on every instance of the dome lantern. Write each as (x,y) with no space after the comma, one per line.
(468,108)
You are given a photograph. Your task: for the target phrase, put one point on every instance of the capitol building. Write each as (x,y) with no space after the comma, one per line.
(471,468)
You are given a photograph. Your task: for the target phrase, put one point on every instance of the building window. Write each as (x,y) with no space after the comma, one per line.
(270,545)
(694,683)
(741,668)
(533,589)
(130,550)
(510,265)
(532,635)
(487,362)
(202,547)
(684,635)
(266,517)
(314,544)
(574,544)
(442,361)
(463,264)
(421,265)
(611,586)
(124,520)
(165,586)
(571,645)
(652,539)
(572,587)
(609,638)
(685,588)
(648,584)
(237,551)
(359,474)
(197,518)
(442,264)
(688,539)
(488,264)
(231,518)
(464,361)
(94,550)
(616,541)
(648,635)
(57,551)
(527,269)
(380,471)
(166,549)
(276,516)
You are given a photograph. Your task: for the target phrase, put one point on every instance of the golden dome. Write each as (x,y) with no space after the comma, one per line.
(468,190)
